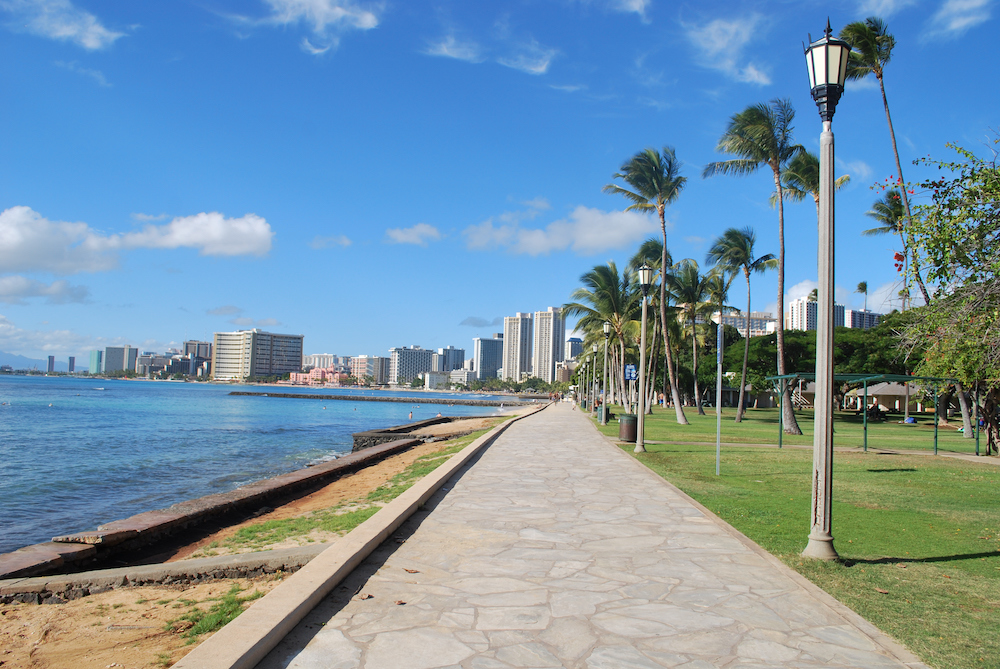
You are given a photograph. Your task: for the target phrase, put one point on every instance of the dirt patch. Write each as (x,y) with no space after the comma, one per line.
(121,628)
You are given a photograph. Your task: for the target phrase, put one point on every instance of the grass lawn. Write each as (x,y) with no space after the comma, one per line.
(760,426)
(919,537)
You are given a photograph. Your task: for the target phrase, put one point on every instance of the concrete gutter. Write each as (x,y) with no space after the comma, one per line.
(249,638)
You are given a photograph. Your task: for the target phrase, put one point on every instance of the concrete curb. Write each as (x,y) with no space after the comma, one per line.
(249,638)
(882,640)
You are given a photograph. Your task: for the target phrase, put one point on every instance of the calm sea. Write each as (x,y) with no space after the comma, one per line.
(76,453)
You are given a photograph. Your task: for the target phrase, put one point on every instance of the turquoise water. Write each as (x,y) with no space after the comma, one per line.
(76,453)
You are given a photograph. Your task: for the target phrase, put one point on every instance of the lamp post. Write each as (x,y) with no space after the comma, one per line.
(604,404)
(594,384)
(645,279)
(826,59)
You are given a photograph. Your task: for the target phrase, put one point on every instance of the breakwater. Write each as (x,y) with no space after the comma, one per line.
(514,401)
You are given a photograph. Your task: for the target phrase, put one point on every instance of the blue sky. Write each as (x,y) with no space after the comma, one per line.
(378,174)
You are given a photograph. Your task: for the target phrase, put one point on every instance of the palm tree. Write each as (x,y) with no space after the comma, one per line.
(871,48)
(890,215)
(863,289)
(761,134)
(656,181)
(688,289)
(610,296)
(734,252)
(801,178)
(651,253)
(717,283)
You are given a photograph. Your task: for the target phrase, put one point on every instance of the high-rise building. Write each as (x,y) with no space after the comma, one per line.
(52,364)
(517,336)
(574,347)
(321,360)
(370,366)
(448,359)
(96,362)
(245,353)
(549,347)
(120,358)
(861,319)
(761,322)
(487,356)
(198,349)
(72,364)
(802,315)
(406,364)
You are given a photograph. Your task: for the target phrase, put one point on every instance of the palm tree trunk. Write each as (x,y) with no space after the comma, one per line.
(651,383)
(746,352)
(671,371)
(787,411)
(694,365)
(902,190)
(963,403)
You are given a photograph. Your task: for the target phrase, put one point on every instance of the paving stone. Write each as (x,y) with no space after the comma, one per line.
(416,649)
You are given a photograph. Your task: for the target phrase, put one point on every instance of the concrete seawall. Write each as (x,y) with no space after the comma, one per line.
(513,401)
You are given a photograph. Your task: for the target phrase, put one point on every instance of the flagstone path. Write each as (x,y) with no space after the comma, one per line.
(555,549)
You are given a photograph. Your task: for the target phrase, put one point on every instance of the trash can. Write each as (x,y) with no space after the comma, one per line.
(627,426)
(583,404)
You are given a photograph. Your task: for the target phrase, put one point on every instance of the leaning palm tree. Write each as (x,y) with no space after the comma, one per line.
(655,181)
(863,289)
(651,253)
(760,135)
(891,217)
(801,178)
(871,48)
(734,252)
(688,289)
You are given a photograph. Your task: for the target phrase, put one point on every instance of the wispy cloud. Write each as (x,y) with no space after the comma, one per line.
(419,234)
(529,57)
(858,170)
(48,342)
(96,75)
(721,44)
(954,17)
(328,242)
(568,88)
(148,218)
(16,289)
(450,47)
(883,8)
(60,20)
(326,20)
(31,242)
(477,322)
(226,310)
(585,231)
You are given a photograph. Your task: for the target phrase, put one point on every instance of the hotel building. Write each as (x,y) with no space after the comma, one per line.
(245,353)
(761,322)
(549,346)
(488,356)
(517,339)
(406,364)
(802,315)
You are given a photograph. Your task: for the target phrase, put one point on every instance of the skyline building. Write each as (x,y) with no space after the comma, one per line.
(245,353)
(549,346)
(372,366)
(449,359)
(574,347)
(861,319)
(761,322)
(517,340)
(52,364)
(802,314)
(72,364)
(487,356)
(120,358)
(406,364)
(321,360)
(198,349)
(96,362)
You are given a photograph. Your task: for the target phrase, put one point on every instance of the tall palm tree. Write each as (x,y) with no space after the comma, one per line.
(606,295)
(734,251)
(760,135)
(656,181)
(651,253)
(871,48)
(717,283)
(801,178)
(688,289)
(888,211)
(863,289)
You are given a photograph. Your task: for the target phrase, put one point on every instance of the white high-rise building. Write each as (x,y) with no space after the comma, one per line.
(574,347)
(761,322)
(517,336)
(245,353)
(549,347)
(861,319)
(370,366)
(802,315)
(406,364)
(488,356)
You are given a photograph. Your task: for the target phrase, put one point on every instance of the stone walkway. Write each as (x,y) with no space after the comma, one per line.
(554,549)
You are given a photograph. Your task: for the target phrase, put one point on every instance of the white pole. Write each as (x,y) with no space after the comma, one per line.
(718,401)
(640,446)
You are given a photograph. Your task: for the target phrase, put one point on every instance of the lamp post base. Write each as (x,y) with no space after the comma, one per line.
(820,547)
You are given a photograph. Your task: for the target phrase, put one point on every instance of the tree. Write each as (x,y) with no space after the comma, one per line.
(801,178)
(688,289)
(863,290)
(734,251)
(656,181)
(651,253)
(871,48)
(891,217)
(760,135)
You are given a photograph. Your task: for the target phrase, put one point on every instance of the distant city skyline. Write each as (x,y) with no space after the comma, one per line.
(418,171)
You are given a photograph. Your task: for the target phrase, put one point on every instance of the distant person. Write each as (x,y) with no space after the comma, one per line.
(411,415)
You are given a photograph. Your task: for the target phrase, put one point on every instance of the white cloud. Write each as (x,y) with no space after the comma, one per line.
(585,231)
(721,44)
(955,17)
(569,88)
(60,20)
(327,19)
(15,289)
(801,289)
(30,242)
(37,343)
(96,75)
(449,47)
(326,242)
(419,234)
(636,6)
(529,57)
(883,8)
(225,310)
(146,218)
(859,170)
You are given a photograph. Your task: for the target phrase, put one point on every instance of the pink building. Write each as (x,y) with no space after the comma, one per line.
(319,376)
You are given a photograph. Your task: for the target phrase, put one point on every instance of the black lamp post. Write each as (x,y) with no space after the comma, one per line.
(826,59)
(604,404)
(645,280)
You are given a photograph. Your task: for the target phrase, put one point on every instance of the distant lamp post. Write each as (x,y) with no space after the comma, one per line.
(604,403)
(826,59)
(593,384)
(645,281)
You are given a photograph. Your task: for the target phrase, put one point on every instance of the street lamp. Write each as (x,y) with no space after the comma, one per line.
(645,280)
(826,59)
(604,404)
(593,384)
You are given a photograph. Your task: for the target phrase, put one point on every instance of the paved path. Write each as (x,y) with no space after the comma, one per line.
(554,549)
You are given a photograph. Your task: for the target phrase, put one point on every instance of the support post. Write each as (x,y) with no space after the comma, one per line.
(604,402)
(640,446)
(718,399)
(976,413)
(865,407)
(935,419)
(781,410)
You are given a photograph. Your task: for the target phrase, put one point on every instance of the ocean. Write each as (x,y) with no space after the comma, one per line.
(78,452)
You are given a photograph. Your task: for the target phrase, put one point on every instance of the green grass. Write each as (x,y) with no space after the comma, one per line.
(927,530)
(760,426)
(225,609)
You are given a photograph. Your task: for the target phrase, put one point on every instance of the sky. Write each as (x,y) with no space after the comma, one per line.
(381,174)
